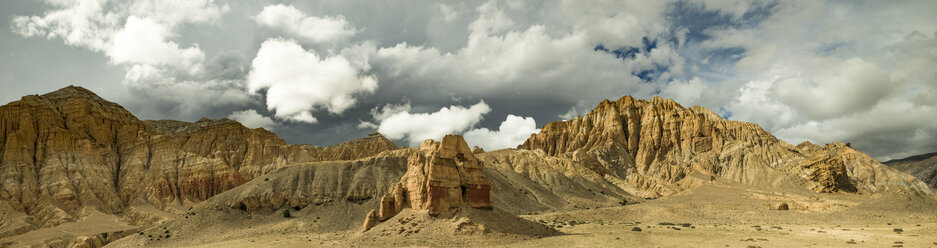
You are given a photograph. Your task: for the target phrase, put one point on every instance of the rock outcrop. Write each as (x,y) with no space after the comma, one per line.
(654,144)
(441,178)
(830,175)
(368,146)
(70,148)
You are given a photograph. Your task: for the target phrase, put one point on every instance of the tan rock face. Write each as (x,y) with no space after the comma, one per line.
(440,178)
(369,221)
(69,148)
(653,145)
(830,175)
(355,149)
(445,175)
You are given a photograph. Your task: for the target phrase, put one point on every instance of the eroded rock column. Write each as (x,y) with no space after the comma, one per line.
(440,178)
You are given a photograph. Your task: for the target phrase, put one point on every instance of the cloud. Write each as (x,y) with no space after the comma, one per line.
(878,131)
(144,41)
(93,24)
(155,92)
(498,60)
(688,92)
(513,131)
(298,81)
(174,12)
(163,77)
(416,127)
(808,75)
(82,23)
(294,22)
(449,13)
(251,119)
(576,110)
(856,85)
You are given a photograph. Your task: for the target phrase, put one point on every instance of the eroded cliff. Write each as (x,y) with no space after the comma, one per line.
(654,144)
(70,148)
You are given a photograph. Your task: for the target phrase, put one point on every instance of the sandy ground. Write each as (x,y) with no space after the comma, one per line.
(765,235)
(622,235)
(718,215)
(712,214)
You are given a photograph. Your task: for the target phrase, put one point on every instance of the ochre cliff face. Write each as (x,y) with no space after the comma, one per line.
(654,144)
(441,178)
(70,148)
(445,175)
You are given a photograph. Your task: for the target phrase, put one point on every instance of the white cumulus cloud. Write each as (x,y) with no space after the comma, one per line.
(144,41)
(416,127)
(251,119)
(299,81)
(294,22)
(161,75)
(513,131)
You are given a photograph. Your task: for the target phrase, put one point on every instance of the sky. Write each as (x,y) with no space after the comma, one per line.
(322,72)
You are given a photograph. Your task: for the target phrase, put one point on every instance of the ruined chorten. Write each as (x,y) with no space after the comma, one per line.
(441,178)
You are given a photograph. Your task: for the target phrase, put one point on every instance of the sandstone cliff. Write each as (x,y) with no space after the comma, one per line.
(70,148)
(654,144)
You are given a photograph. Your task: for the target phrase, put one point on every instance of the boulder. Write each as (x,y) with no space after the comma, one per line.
(387,209)
(369,221)
(781,206)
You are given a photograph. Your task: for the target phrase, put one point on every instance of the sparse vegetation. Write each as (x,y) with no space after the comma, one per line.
(286,213)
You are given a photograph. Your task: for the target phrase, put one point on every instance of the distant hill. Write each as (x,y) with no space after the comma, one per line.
(922,166)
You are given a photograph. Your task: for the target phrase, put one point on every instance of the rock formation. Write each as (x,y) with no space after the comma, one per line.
(654,144)
(441,178)
(368,146)
(67,151)
(830,175)
(781,206)
(70,148)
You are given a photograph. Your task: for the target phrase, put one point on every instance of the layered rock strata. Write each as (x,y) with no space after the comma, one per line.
(441,178)
(654,144)
(70,148)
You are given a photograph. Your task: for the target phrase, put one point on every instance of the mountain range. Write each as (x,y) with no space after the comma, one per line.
(70,158)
